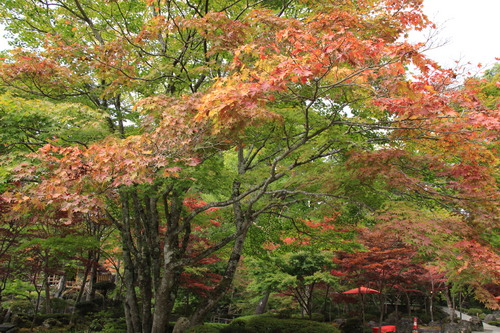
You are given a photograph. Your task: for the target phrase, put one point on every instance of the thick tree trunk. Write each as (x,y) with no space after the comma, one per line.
(261,307)
(131,304)
(47,294)
(164,301)
(166,291)
(132,312)
(92,275)
(61,287)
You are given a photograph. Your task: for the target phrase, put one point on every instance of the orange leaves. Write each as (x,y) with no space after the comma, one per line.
(226,34)
(324,225)
(408,13)
(233,105)
(301,53)
(33,69)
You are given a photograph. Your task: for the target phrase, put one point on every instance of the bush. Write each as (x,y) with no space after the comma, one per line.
(261,324)
(57,305)
(104,287)
(207,328)
(108,322)
(64,318)
(315,316)
(23,307)
(474,311)
(87,307)
(352,325)
(494,323)
(115,326)
(318,317)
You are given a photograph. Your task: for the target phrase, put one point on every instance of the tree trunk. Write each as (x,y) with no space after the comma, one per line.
(408,301)
(131,304)
(166,292)
(61,287)
(216,295)
(47,295)
(84,283)
(164,301)
(261,307)
(449,303)
(431,306)
(94,259)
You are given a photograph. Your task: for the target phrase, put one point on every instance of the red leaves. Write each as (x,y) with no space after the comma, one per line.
(386,262)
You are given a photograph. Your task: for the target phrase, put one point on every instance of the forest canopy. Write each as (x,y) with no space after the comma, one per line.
(178,137)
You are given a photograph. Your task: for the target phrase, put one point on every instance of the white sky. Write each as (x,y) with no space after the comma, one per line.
(469,28)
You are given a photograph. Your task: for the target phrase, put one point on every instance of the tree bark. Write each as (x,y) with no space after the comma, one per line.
(450,303)
(261,307)
(61,287)
(94,259)
(216,295)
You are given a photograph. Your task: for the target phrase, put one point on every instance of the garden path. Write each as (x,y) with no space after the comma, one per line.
(487,328)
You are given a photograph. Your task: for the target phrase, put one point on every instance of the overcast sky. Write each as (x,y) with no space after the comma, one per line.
(469,29)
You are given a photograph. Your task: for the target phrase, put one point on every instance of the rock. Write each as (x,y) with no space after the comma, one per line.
(51,322)
(434,323)
(460,327)
(476,324)
(181,325)
(339,321)
(8,328)
(404,325)
(490,317)
(393,317)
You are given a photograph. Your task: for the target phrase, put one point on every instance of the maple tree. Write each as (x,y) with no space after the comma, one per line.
(386,265)
(253,107)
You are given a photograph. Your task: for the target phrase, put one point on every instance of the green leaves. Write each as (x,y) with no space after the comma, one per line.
(30,124)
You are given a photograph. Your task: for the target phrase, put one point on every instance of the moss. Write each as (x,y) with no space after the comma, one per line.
(263,323)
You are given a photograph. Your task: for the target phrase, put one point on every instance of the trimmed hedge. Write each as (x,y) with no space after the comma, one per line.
(207,328)
(474,311)
(263,324)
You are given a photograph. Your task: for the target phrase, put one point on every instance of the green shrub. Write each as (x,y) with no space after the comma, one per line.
(22,307)
(352,325)
(424,318)
(494,323)
(315,316)
(318,317)
(87,307)
(57,305)
(117,325)
(64,318)
(474,311)
(206,328)
(104,287)
(262,324)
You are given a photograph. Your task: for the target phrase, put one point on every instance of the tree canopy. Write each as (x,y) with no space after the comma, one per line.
(188,125)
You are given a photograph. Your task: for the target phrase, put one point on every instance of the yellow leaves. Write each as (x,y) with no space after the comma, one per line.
(430,88)
(405,89)
(222,32)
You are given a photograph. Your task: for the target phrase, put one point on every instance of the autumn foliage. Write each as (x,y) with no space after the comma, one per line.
(226,115)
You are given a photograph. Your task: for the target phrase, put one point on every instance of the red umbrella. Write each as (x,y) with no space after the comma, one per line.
(362,290)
